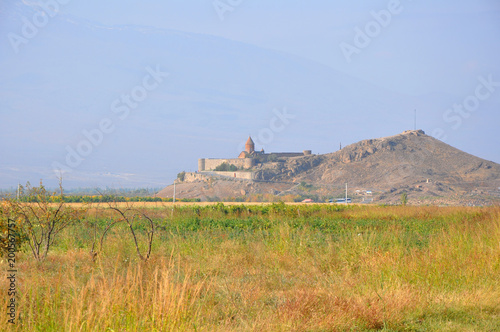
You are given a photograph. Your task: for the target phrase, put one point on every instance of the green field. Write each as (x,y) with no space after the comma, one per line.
(265,268)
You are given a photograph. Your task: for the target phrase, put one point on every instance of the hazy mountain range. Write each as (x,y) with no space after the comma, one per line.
(73,75)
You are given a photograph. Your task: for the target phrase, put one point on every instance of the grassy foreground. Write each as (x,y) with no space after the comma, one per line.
(270,268)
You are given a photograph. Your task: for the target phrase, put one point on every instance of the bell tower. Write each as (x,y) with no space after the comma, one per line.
(249,145)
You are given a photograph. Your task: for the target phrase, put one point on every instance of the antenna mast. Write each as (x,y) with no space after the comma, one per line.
(415,120)
(346,193)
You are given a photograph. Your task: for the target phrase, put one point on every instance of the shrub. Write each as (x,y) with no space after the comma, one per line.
(225,167)
(181,176)
(42,218)
(10,232)
(404,198)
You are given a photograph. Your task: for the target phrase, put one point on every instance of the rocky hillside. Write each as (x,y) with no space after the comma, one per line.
(413,162)
(383,163)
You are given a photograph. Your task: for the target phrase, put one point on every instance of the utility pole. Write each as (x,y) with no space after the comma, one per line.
(173,201)
(346,193)
(18,190)
(415,120)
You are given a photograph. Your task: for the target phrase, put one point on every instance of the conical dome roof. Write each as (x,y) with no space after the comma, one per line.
(249,145)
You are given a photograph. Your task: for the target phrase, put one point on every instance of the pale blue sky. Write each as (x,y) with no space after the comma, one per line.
(228,77)
(430,46)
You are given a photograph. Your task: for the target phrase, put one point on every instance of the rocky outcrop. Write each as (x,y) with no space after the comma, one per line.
(287,170)
(412,161)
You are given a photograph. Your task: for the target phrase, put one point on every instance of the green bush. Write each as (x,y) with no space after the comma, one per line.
(225,167)
(404,198)
(181,176)
(11,236)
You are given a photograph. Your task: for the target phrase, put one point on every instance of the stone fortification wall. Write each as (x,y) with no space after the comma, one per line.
(211,164)
(205,176)
(236,175)
(286,154)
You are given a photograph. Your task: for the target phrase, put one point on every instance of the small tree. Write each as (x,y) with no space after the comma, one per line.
(42,215)
(181,176)
(404,198)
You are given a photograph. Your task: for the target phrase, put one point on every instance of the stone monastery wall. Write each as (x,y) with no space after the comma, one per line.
(211,164)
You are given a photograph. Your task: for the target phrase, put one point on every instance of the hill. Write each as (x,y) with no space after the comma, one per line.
(428,170)
(216,90)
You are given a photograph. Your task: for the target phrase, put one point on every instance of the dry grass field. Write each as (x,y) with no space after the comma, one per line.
(268,267)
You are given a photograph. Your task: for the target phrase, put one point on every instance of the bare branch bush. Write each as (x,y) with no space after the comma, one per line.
(42,215)
(131,217)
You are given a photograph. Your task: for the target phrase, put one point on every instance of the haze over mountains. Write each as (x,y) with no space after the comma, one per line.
(65,81)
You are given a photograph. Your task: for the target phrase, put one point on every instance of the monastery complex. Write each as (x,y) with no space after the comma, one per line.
(243,165)
(248,158)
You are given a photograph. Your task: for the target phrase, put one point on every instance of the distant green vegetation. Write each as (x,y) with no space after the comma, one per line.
(225,167)
(404,198)
(305,186)
(107,199)
(269,267)
(124,192)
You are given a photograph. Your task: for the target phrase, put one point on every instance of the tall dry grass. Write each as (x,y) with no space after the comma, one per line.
(69,294)
(378,268)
